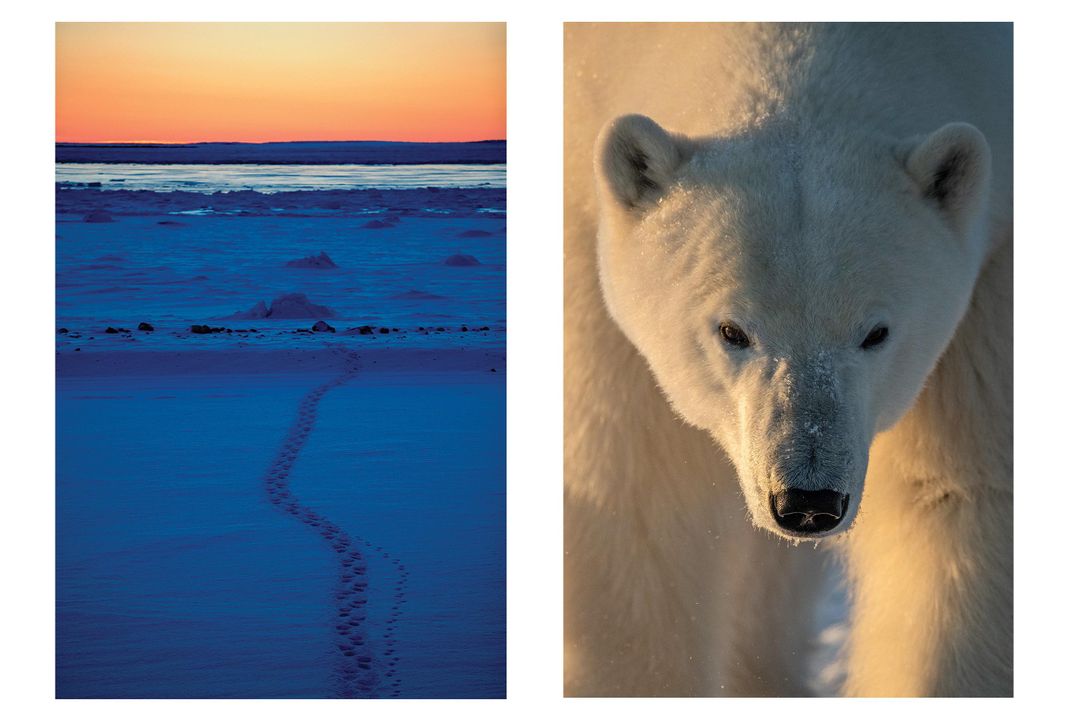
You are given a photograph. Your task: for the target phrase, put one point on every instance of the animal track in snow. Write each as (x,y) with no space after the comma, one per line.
(366,661)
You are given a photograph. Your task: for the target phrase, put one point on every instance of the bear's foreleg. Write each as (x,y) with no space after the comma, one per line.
(933,593)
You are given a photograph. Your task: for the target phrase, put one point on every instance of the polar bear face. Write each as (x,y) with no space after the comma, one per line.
(791,297)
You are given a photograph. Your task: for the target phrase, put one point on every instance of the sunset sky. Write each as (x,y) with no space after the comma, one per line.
(185,82)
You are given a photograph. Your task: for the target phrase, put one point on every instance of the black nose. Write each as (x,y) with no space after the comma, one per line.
(808,511)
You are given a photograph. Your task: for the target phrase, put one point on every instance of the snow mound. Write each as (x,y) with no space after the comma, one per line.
(321,261)
(258,311)
(287,306)
(461,260)
(417,294)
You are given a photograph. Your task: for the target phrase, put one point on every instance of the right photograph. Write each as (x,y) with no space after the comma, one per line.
(788,360)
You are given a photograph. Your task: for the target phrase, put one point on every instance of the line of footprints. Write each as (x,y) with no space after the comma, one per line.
(358,673)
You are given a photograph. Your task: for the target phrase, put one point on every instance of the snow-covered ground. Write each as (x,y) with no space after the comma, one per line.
(280,512)
(177,577)
(174,259)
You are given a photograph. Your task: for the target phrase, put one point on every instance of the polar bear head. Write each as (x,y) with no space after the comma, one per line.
(791,290)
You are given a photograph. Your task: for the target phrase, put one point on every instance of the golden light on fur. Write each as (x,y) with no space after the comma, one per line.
(839,196)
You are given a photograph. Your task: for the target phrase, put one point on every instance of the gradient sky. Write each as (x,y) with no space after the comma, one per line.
(184,82)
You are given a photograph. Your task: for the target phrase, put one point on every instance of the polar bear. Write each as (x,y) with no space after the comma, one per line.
(788,319)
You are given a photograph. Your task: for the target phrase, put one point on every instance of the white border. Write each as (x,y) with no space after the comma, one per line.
(534,415)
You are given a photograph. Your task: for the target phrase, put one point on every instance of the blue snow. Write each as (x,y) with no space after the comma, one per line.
(184,566)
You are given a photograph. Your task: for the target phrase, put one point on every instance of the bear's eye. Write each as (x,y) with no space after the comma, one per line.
(733,335)
(876,337)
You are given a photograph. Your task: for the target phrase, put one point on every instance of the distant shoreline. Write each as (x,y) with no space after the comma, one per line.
(286,153)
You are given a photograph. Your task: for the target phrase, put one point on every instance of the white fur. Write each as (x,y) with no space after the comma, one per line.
(818,181)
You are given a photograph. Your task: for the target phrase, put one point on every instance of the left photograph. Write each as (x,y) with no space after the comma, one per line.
(280,360)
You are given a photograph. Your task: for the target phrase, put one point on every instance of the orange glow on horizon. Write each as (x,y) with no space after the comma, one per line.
(257,82)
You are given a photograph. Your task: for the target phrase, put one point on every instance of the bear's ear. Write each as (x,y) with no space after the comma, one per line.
(951,167)
(636,159)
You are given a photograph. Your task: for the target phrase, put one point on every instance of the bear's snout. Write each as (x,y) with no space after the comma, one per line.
(808,512)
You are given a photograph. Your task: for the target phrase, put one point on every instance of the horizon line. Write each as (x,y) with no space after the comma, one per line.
(261,143)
